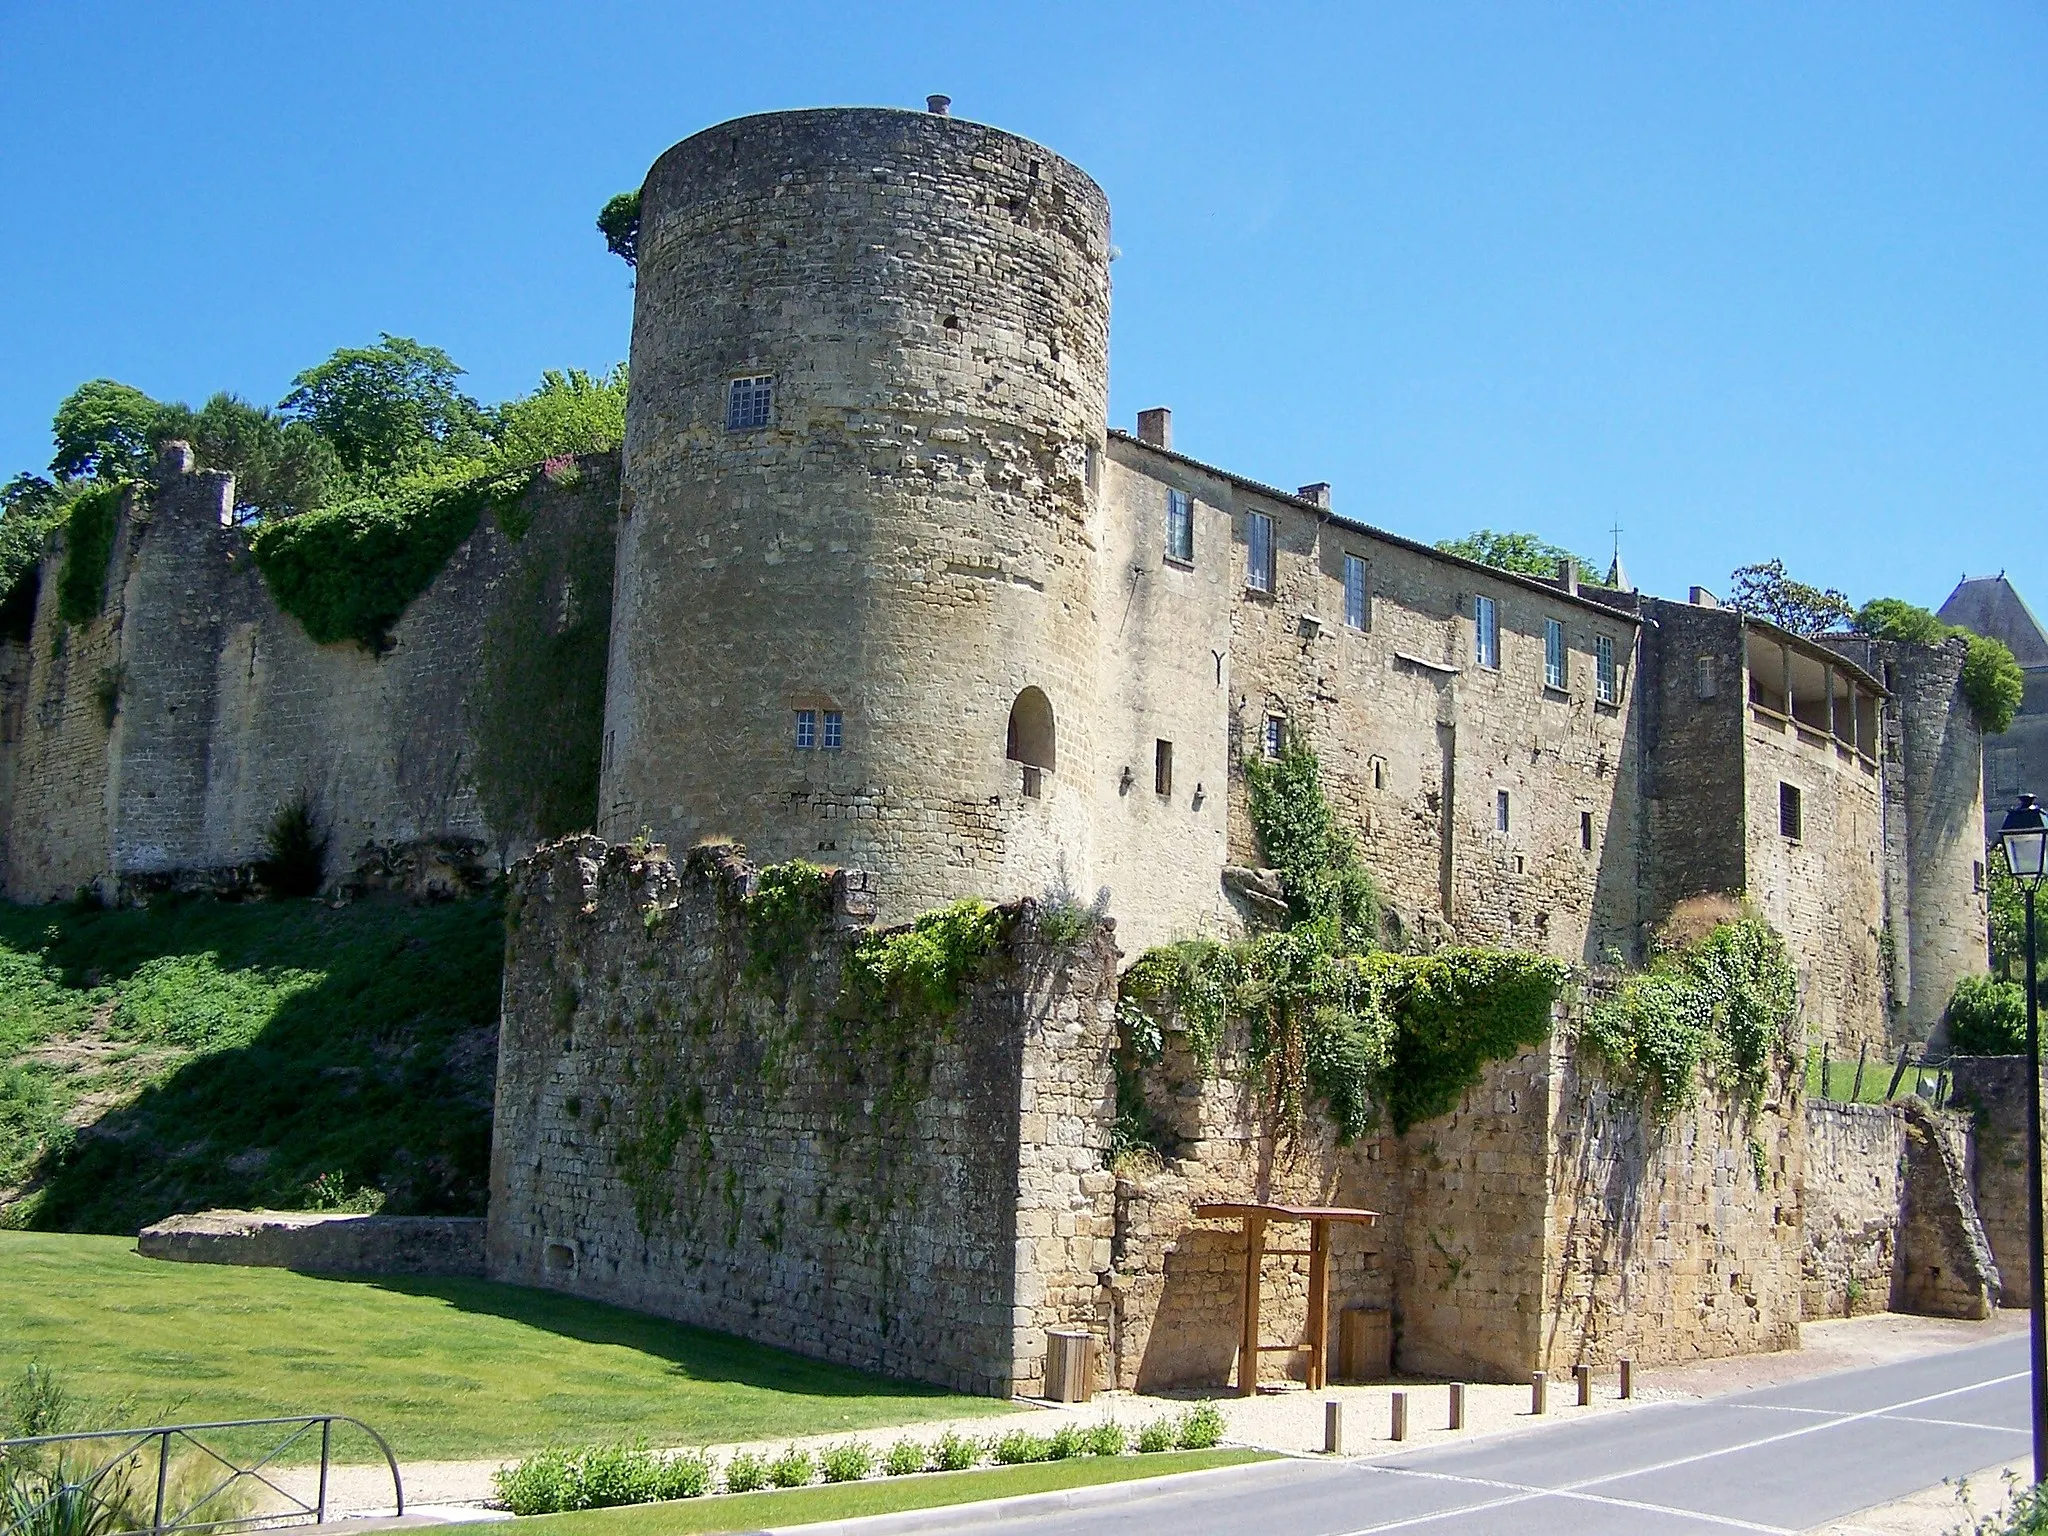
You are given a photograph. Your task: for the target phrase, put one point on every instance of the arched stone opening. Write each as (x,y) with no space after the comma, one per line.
(1031,731)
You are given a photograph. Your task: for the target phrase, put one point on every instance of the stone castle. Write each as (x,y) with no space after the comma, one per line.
(872,583)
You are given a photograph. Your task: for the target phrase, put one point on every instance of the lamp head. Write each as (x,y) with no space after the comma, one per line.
(2025,840)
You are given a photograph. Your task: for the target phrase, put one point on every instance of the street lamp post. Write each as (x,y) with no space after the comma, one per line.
(2025,838)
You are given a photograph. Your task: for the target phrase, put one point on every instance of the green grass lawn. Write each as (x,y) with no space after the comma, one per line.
(442,1368)
(880,1496)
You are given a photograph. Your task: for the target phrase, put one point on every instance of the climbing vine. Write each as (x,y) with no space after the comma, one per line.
(918,975)
(1321,873)
(1720,1008)
(347,572)
(88,546)
(782,916)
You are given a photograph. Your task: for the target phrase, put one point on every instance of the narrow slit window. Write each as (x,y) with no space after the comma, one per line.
(1553,654)
(835,730)
(1788,811)
(1162,767)
(1500,810)
(1258,573)
(806,729)
(748,403)
(1606,680)
(1977,877)
(1180,527)
(1586,830)
(1356,614)
(1274,739)
(1485,632)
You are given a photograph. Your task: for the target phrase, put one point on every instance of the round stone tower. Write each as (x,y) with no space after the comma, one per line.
(855,617)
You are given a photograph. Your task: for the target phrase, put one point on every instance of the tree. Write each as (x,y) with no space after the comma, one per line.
(619,222)
(1521,552)
(29,509)
(1766,592)
(387,409)
(281,467)
(102,432)
(571,412)
(1891,618)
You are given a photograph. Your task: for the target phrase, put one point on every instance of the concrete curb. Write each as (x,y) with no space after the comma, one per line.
(1024,1506)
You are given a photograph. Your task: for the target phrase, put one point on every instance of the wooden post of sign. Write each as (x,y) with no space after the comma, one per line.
(1539,1393)
(1333,1428)
(1318,1304)
(1248,1337)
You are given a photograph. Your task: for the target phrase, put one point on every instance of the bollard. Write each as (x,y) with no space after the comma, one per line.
(1538,1396)
(1333,1428)
(1457,1406)
(1628,1377)
(1400,1425)
(1583,1375)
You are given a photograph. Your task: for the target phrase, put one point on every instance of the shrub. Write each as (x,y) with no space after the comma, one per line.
(955,1452)
(1987,1017)
(1200,1428)
(1159,1435)
(793,1468)
(1107,1438)
(1020,1446)
(544,1483)
(848,1462)
(295,853)
(745,1472)
(1993,683)
(685,1475)
(1067,1441)
(904,1458)
(612,1475)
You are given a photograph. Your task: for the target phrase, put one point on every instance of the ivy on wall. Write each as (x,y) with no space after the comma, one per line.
(89,529)
(1326,1016)
(1717,1010)
(348,572)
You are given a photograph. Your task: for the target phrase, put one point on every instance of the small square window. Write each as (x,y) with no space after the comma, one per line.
(1788,811)
(1706,679)
(1180,527)
(1606,679)
(806,729)
(747,403)
(1274,739)
(1258,572)
(1357,600)
(1586,830)
(835,730)
(1553,654)
(1500,810)
(1162,767)
(1485,632)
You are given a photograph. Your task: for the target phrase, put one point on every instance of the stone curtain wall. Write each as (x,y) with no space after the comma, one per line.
(1854,1192)
(675,1137)
(473,736)
(1540,1225)
(1992,1090)
(1945,1266)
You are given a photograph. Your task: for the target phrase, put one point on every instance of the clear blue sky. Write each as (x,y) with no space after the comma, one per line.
(1749,279)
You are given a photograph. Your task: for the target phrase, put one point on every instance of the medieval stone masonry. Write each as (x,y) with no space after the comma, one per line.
(873,583)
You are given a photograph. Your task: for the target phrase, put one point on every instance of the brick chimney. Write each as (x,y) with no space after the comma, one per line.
(1319,493)
(939,106)
(1156,427)
(1568,575)
(1700,597)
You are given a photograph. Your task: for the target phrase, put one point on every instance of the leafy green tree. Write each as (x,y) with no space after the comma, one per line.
(281,467)
(1988,1017)
(1524,553)
(619,222)
(1764,591)
(30,507)
(102,432)
(388,410)
(1891,618)
(571,412)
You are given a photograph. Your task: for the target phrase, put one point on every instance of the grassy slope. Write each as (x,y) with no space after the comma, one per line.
(215,1053)
(443,1368)
(844,1501)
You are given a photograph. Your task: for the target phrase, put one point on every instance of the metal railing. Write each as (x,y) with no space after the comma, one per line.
(47,1488)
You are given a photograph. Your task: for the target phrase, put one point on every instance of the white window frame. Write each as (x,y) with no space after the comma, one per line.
(832,732)
(1486,633)
(1706,680)
(749,402)
(1260,566)
(1554,665)
(1180,527)
(806,730)
(1502,817)
(1357,592)
(1273,736)
(1606,672)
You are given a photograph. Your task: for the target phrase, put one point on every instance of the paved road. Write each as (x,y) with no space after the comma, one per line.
(1778,1460)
